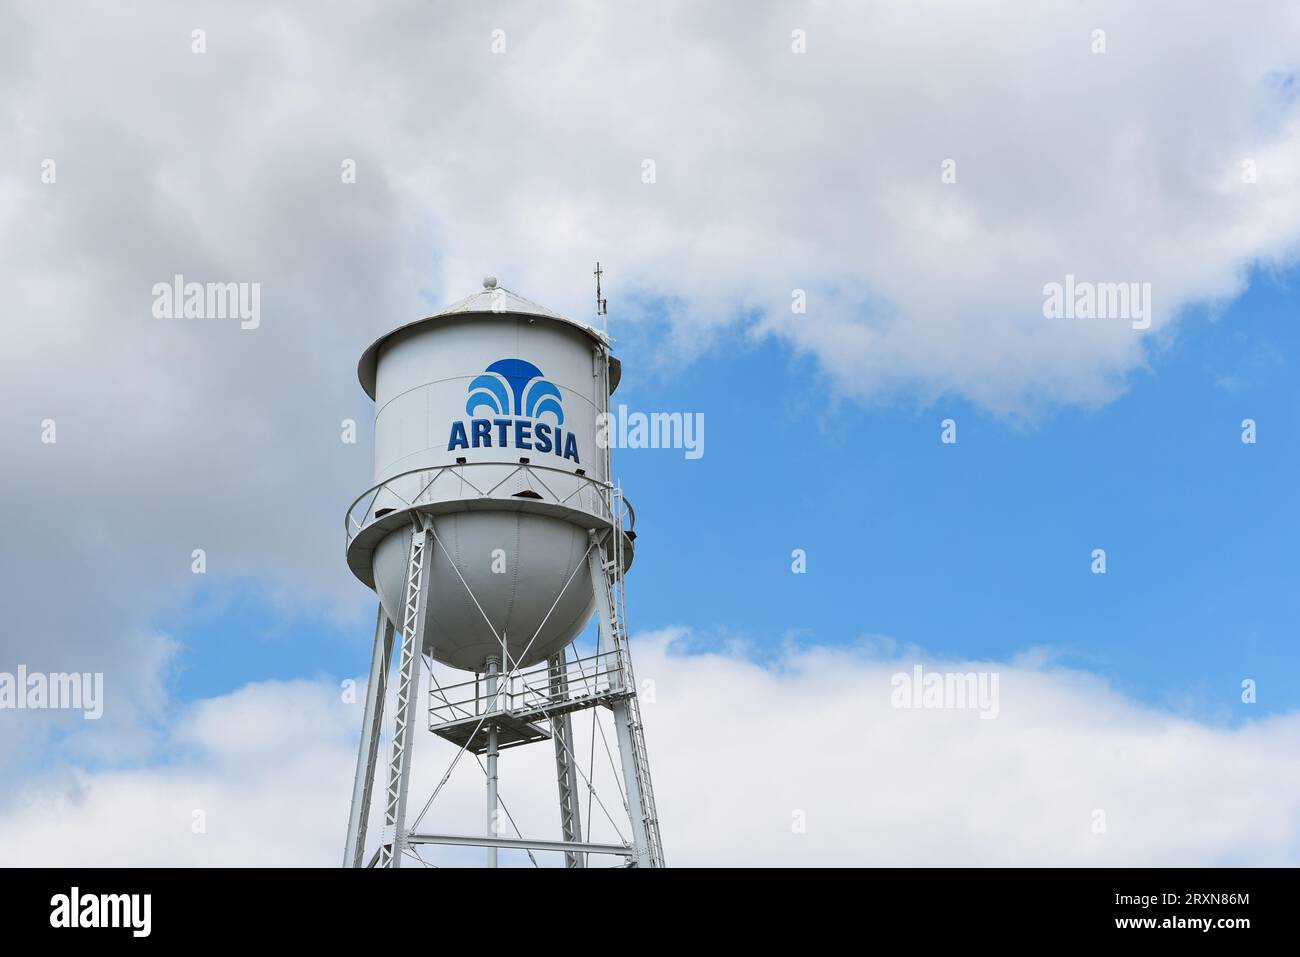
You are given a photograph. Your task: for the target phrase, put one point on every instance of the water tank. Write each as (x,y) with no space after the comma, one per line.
(486,417)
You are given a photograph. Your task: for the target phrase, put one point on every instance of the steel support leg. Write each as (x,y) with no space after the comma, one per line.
(368,753)
(632,781)
(414,613)
(627,728)
(493,827)
(566,770)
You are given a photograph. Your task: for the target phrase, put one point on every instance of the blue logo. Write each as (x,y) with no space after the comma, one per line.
(516,395)
(515,374)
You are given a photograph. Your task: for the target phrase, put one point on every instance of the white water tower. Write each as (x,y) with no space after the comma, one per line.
(492,533)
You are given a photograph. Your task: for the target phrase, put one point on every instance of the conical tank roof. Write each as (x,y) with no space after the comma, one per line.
(492,300)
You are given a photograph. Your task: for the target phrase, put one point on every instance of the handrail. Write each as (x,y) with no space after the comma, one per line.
(604,492)
(529,690)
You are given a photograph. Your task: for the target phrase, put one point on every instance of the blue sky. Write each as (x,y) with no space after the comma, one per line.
(980,550)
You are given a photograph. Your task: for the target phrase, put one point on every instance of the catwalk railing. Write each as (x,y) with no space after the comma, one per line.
(538,692)
(478,481)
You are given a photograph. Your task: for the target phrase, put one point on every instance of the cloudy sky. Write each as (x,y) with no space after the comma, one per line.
(915,172)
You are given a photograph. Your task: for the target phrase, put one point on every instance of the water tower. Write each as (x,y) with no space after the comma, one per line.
(492,533)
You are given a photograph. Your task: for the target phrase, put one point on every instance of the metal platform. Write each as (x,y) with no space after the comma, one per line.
(472,733)
(525,703)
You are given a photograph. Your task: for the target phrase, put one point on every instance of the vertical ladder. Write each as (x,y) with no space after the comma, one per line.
(414,608)
(607,578)
(641,759)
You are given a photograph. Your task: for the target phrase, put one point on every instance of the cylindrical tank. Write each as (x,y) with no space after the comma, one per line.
(486,421)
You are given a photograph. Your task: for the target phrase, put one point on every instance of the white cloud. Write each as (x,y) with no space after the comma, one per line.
(736,749)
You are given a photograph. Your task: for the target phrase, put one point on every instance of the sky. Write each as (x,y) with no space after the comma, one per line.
(1166,157)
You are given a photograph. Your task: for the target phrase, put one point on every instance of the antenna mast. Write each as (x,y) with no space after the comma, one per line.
(602,310)
(602,305)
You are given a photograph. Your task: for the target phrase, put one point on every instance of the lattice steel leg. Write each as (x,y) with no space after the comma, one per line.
(566,771)
(631,743)
(368,753)
(414,611)
(632,781)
